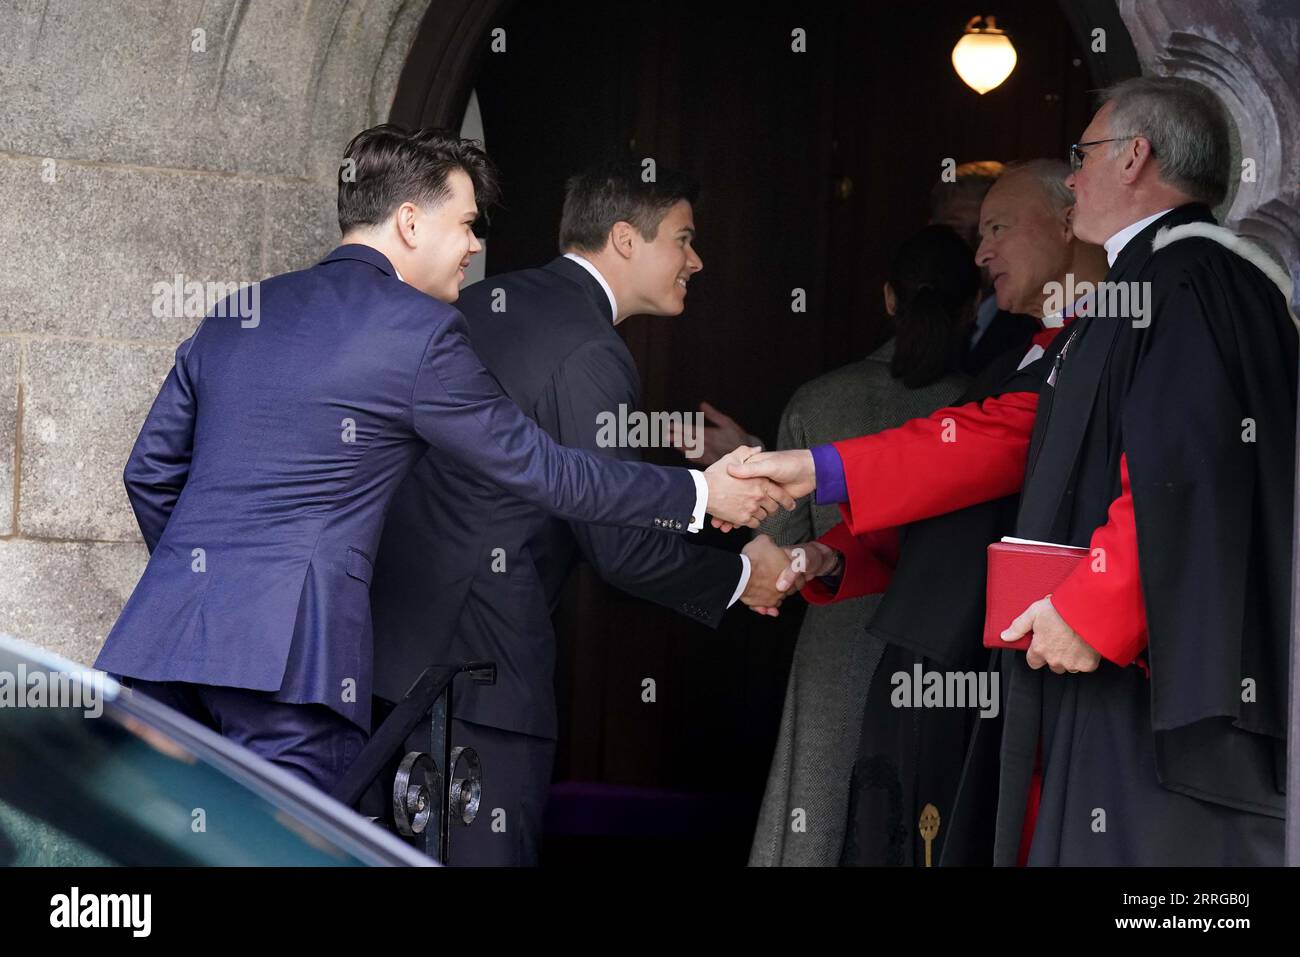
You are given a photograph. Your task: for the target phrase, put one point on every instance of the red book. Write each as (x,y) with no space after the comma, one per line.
(1020,573)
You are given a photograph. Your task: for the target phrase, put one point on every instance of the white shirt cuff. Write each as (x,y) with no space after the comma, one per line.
(744,579)
(701,500)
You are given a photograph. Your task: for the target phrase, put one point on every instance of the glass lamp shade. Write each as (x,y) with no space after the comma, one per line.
(983,60)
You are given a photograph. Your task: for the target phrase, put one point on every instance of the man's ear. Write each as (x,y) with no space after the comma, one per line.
(1136,158)
(620,238)
(405,218)
(891,300)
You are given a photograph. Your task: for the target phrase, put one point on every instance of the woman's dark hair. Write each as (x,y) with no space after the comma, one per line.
(387,165)
(935,280)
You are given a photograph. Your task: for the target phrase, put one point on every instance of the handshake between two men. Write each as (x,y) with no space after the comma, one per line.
(778,571)
(764,480)
(737,498)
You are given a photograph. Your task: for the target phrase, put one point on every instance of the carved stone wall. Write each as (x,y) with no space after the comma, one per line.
(141,139)
(1248,53)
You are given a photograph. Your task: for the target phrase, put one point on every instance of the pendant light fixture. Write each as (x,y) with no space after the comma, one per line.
(984,56)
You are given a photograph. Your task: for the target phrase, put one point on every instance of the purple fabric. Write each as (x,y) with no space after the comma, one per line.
(831,489)
(595,808)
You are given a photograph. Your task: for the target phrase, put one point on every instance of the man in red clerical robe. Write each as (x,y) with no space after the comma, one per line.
(910,752)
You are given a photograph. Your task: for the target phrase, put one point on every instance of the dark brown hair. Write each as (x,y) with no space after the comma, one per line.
(390,165)
(617,191)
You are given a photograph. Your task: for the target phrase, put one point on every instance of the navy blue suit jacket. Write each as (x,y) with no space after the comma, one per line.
(262,474)
(467,573)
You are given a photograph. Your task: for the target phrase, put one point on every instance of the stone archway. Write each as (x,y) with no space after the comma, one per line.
(444,59)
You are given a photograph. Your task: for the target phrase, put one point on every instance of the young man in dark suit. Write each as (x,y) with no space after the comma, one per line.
(467,573)
(262,474)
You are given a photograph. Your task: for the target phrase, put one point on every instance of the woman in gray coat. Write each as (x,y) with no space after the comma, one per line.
(930,295)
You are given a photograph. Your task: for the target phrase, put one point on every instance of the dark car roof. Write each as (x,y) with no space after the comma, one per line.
(322,815)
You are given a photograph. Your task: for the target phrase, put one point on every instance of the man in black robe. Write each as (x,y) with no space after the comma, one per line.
(1162,439)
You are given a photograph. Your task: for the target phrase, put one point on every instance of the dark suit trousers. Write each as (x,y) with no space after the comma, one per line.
(516,780)
(309,741)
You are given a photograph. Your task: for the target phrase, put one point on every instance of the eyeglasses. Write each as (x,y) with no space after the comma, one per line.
(1077,154)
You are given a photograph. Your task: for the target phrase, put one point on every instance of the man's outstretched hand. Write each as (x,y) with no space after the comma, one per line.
(794,565)
(793,470)
(742,501)
(767,561)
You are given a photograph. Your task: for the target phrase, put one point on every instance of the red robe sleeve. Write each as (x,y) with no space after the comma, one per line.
(1102,598)
(869,562)
(955,457)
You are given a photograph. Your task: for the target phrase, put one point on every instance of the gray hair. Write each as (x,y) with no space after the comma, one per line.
(1186,127)
(971,183)
(1050,174)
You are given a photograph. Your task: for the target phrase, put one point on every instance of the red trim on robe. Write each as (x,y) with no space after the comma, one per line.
(1031,808)
(953,458)
(1044,337)
(869,563)
(1103,602)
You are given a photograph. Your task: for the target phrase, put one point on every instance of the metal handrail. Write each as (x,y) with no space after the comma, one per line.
(428,698)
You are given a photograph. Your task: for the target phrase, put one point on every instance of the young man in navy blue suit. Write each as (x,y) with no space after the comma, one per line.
(262,474)
(465,573)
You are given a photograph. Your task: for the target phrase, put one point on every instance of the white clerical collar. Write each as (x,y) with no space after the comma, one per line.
(397,274)
(1115,245)
(1079,307)
(613,306)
